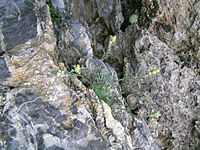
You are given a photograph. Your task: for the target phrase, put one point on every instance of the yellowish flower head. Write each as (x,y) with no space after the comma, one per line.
(60,73)
(113,38)
(154,72)
(149,73)
(77,69)
(157,70)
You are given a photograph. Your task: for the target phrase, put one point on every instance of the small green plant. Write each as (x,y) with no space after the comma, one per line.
(155,115)
(54,17)
(71,74)
(101,83)
(136,78)
(112,41)
(133,18)
(102,92)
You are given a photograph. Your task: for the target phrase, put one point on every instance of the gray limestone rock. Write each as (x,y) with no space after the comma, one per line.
(157,56)
(73,42)
(177,24)
(87,12)
(40,111)
(143,137)
(100,18)
(4,72)
(172,91)
(31,123)
(18,23)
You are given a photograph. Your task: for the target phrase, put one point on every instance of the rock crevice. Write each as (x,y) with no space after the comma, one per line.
(146,75)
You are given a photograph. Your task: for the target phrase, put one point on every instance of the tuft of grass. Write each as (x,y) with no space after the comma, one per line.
(54,17)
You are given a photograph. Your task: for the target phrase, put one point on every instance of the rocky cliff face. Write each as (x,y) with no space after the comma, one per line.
(140,88)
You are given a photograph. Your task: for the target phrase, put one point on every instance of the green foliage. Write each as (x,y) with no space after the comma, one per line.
(99,82)
(133,18)
(102,85)
(106,55)
(102,92)
(54,17)
(155,115)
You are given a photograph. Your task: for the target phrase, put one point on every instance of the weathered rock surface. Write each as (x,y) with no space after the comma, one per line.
(173,22)
(38,110)
(174,92)
(160,109)
(88,12)
(73,42)
(18,23)
(178,24)
(32,123)
(4,72)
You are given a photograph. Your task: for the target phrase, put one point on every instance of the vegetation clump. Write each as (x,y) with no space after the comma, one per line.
(101,83)
(54,17)
(133,18)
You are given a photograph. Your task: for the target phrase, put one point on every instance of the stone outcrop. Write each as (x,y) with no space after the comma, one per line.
(174,92)
(156,57)
(18,24)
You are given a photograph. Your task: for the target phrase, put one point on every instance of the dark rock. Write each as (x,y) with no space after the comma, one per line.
(74,42)
(40,125)
(22,98)
(18,23)
(80,130)
(144,139)
(4,72)
(87,12)
(100,18)
(40,110)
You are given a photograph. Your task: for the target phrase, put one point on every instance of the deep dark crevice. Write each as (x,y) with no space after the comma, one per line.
(145,12)
(2,53)
(101,37)
(188,60)
(11,87)
(129,7)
